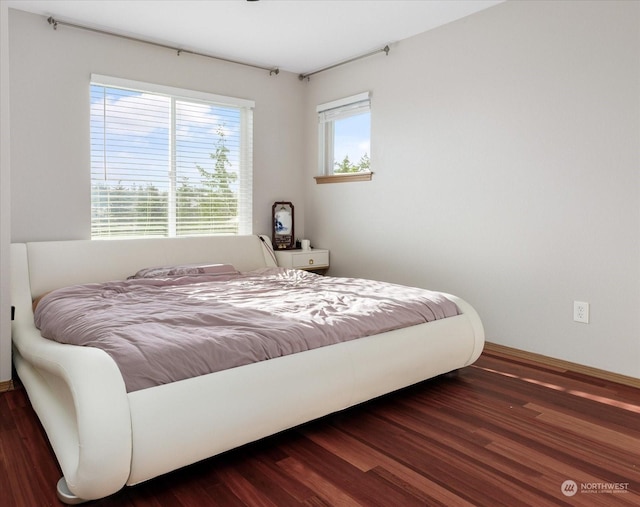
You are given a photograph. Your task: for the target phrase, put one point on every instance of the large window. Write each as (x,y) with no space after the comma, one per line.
(168,162)
(344,133)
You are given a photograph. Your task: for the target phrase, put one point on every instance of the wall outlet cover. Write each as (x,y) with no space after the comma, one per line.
(581,312)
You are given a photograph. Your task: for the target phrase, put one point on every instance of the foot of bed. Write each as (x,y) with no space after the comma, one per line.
(65,495)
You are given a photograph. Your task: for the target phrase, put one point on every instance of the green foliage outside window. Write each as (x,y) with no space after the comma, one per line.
(346,166)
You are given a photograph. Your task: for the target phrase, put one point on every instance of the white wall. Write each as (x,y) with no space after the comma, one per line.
(50,73)
(5,206)
(506,153)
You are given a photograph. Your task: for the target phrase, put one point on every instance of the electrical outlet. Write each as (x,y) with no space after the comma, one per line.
(581,312)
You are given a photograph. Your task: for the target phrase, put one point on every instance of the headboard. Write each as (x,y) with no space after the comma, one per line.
(55,264)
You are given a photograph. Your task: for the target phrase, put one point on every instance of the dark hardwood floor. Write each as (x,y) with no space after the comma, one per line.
(504,431)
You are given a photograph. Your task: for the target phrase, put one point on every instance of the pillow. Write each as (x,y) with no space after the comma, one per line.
(185,270)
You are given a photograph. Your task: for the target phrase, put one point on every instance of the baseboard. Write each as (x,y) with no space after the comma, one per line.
(565,365)
(6,385)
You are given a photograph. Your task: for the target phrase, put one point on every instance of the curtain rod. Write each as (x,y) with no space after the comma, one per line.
(54,23)
(307,76)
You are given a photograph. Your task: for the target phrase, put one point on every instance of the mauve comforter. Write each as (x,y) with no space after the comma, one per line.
(163,330)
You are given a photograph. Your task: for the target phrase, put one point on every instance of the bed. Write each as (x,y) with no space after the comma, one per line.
(106,436)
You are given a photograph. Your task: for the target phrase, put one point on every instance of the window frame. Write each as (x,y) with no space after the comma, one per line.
(328,113)
(245,151)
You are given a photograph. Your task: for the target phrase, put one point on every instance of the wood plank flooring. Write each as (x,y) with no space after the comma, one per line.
(503,432)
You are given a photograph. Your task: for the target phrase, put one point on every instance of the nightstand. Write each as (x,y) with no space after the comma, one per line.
(315,259)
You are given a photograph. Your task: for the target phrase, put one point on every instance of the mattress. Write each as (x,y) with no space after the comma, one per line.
(165,325)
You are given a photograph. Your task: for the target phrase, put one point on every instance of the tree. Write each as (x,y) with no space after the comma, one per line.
(364,163)
(346,166)
(220,201)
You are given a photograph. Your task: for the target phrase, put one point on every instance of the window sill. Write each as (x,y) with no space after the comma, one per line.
(343,178)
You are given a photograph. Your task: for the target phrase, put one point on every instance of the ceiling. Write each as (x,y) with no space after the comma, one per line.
(299,36)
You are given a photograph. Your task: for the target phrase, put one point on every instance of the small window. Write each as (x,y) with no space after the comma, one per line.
(168,162)
(344,139)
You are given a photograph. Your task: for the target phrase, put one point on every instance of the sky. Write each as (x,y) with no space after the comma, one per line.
(352,137)
(132,143)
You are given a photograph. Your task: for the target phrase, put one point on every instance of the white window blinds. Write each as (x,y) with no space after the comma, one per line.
(344,108)
(168,162)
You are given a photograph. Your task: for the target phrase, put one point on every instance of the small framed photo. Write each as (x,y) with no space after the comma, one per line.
(282,234)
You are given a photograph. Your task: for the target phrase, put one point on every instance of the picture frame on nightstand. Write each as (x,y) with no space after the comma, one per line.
(283,226)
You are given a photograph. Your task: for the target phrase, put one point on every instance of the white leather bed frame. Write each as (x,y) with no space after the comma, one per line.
(105,438)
